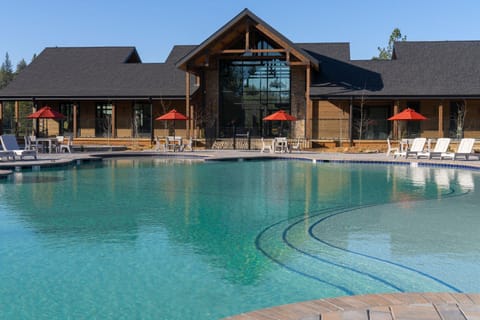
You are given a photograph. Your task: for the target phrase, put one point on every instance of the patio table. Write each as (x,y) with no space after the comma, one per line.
(50,141)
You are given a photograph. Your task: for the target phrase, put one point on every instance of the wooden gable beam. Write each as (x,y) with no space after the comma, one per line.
(299,55)
(252,50)
(247,37)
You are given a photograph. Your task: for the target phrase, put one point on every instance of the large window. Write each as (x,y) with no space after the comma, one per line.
(370,122)
(67,124)
(103,120)
(142,117)
(250,90)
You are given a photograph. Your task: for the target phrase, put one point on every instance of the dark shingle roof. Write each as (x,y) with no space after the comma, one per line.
(338,50)
(419,69)
(100,72)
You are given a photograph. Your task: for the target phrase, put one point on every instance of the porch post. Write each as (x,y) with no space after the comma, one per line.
(192,117)
(187,100)
(440,120)
(308,111)
(17,116)
(37,121)
(75,107)
(152,130)
(113,120)
(396,105)
(1,117)
(350,123)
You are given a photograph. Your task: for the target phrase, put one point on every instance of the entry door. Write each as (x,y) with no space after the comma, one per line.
(103,120)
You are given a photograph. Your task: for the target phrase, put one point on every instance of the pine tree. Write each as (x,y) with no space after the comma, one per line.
(386,53)
(6,72)
(20,66)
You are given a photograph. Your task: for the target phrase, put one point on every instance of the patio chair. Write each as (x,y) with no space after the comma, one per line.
(64,144)
(465,149)
(187,146)
(266,146)
(280,145)
(31,143)
(418,145)
(296,146)
(28,143)
(390,148)
(9,143)
(440,148)
(159,145)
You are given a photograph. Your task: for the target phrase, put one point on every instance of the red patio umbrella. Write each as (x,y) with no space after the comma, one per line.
(408,114)
(46,113)
(280,115)
(173,115)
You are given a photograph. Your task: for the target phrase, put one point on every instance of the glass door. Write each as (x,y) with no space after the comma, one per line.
(103,120)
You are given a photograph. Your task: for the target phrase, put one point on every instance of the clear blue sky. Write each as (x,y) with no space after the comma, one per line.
(154,26)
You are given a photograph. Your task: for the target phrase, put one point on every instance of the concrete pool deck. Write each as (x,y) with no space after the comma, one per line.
(63,159)
(377,306)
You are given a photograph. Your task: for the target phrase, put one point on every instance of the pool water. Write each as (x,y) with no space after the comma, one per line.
(167,239)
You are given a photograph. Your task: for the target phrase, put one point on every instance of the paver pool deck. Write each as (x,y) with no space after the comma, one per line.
(395,306)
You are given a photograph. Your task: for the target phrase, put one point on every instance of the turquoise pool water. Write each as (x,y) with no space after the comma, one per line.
(163,239)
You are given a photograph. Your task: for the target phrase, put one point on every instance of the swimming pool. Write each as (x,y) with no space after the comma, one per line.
(166,239)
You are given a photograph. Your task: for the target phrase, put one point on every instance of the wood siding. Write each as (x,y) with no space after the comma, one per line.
(330,120)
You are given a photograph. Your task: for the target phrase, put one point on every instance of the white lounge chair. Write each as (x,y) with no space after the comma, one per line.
(440,148)
(418,145)
(9,143)
(465,149)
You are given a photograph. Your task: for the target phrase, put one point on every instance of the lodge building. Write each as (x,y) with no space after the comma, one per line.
(243,72)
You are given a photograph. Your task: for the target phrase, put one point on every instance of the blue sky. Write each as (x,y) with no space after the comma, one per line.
(154,26)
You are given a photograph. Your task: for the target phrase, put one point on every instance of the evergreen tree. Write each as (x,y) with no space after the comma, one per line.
(6,72)
(386,53)
(20,66)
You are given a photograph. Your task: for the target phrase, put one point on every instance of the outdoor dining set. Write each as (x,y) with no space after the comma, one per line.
(280,145)
(55,144)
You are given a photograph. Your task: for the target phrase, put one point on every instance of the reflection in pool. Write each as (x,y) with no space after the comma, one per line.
(162,239)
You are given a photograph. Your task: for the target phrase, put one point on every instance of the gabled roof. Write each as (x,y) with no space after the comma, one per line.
(245,14)
(99,72)
(419,69)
